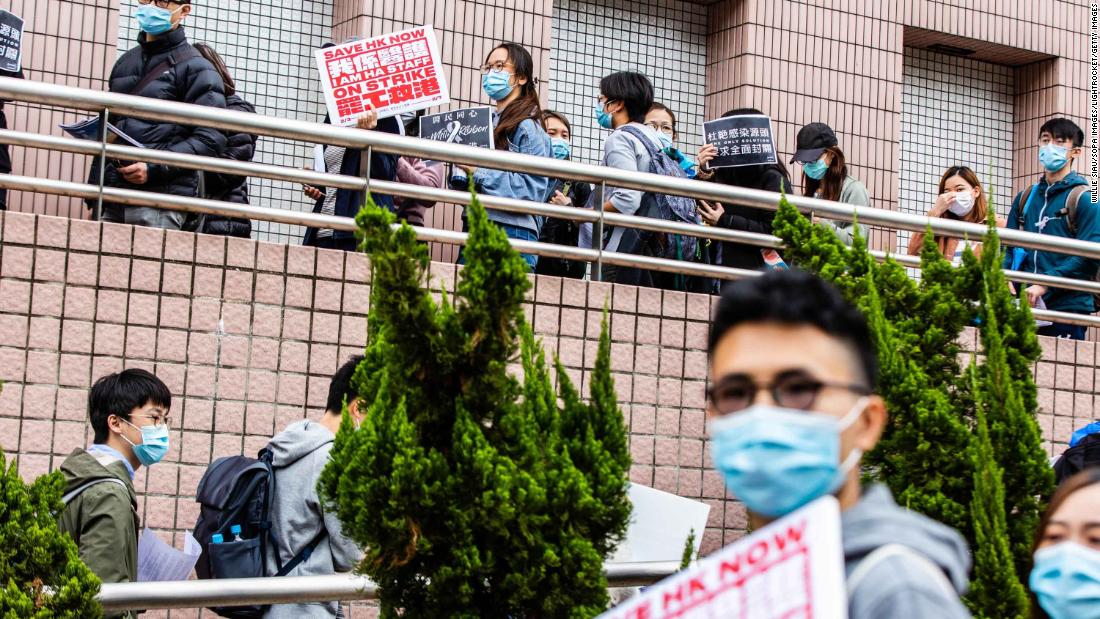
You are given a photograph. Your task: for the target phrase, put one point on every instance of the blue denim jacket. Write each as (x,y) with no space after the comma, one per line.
(529,138)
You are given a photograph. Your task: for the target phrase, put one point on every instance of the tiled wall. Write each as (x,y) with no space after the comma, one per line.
(663,39)
(841,62)
(246,334)
(954,112)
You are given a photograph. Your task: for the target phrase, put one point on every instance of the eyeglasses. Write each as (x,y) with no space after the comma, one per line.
(496,66)
(160,4)
(795,390)
(158,420)
(666,128)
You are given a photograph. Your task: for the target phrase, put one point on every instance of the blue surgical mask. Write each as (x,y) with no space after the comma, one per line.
(496,84)
(153,446)
(1066,581)
(560,148)
(603,119)
(776,460)
(1053,157)
(816,169)
(664,140)
(153,19)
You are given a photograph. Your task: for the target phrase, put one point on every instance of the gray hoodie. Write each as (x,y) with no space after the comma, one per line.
(901,586)
(299,453)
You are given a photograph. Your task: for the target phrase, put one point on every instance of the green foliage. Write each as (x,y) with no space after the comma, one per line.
(994,495)
(473,493)
(41,573)
(689,550)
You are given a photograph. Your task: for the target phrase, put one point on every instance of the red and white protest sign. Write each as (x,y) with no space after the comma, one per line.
(791,569)
(392,73)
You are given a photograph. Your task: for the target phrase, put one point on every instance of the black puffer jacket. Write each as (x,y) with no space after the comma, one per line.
(228,187)
(193,80)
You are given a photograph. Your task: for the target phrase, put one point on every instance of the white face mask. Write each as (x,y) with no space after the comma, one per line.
(962,204)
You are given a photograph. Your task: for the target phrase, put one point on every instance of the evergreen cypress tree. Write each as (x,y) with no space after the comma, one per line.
(474,494)
(1011,348)
(41,574)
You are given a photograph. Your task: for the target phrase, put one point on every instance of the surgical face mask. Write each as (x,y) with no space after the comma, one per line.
(1066,581)
(560,148)
(962,204)
(153,446)
(1053,157)
(777,460)
(153,19)
(603,119)
(816,169)
(664,140)
(496,84)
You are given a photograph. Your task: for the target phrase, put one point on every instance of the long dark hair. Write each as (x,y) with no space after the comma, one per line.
(219,65)
(1088,477)
(978,214)
(833,182)
(524,107)
(750,175)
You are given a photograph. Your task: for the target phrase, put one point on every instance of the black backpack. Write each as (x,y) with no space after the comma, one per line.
(238,490)
(1069,212)
(661,206)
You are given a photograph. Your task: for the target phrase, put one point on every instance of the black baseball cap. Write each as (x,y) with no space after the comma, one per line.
(813,139)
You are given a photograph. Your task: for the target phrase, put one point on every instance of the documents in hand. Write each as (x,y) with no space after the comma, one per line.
(157,561)
(792,568)
(88,129)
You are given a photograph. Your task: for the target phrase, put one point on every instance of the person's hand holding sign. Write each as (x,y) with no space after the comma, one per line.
(711,213)
(706,154)
(369,120)
(135,173)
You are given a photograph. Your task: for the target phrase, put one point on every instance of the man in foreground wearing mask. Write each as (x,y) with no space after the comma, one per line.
(162,66)
(299,521)
(791,411)
(1059,204)
(129,416)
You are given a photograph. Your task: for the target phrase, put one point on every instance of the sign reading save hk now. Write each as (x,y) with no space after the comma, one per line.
(392,73)
(791,569)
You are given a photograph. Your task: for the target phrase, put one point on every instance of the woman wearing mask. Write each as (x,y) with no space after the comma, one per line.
(661,118)
(562,193)
(825,176)
(960,197)
(1065,577)
(508,79)
(239,147)
(769,177)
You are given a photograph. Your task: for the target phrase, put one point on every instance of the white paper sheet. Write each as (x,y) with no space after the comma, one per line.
(660,524)
(319,159)
(157,561)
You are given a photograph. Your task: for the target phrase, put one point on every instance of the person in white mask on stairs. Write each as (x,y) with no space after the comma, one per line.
(962,198)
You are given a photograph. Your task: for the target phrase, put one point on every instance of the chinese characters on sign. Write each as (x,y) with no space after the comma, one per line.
(11,42)
(471,126)
(392,73)
(792,568)
(741,140)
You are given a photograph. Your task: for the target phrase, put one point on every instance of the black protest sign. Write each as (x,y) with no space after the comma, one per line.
(471,126)
(741,140)
(11,42)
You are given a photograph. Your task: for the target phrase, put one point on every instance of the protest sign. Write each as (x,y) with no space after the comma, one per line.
(792,568)
(660,524)
(741,140)
(11,42)
(471,126)
(392,73)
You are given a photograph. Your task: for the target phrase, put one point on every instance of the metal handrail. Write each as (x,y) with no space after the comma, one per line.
(117,597)
(435,194)
(231,120)
(318,220)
